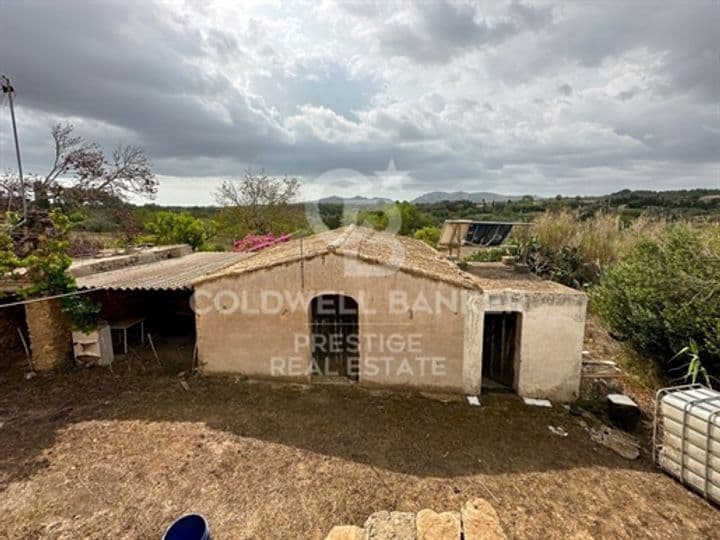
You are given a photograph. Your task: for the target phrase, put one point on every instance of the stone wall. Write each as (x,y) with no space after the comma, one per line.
(412,330)
(50,336)
(86,267)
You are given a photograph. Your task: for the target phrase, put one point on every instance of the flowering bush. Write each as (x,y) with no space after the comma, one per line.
(256,242)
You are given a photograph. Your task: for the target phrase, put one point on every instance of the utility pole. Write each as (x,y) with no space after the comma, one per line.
(8,89)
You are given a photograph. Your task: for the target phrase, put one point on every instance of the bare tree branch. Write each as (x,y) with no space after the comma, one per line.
(257,198)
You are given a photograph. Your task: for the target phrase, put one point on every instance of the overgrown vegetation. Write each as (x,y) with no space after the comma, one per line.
(429,234)
(576,251)
(44,272)
(655,283)
(491,254)
(664,293)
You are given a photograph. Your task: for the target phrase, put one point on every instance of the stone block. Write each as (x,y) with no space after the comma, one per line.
(391,526)
(347,532)
(431,525)
(480,521)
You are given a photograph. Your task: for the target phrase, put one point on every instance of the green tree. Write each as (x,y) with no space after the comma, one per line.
(178,228)
(376,219)
(331,214)
(45,271)
(412,218)
(409,216)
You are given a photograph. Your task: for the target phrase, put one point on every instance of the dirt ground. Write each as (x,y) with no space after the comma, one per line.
(100,454)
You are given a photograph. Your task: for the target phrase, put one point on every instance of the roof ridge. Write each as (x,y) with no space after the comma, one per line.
(341,238)
(361,243)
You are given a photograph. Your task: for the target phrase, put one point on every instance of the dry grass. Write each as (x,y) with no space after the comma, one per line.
(92,454)
(602,239)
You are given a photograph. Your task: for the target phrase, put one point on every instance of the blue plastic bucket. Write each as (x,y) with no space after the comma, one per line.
(188,527)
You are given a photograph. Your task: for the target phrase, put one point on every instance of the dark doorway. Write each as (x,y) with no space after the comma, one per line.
(501,343)
(334,342)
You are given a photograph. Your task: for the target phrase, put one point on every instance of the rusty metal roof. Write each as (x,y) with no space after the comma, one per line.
(170,274)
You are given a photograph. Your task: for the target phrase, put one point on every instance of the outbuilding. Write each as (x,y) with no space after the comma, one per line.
(383,310)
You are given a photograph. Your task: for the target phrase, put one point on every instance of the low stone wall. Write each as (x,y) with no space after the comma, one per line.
(477,520)
(50,336)
(86,267)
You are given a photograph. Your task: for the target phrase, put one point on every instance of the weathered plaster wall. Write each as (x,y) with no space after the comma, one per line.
(412,329)
(552,331)
(50,336)
(233,337)
(472,344)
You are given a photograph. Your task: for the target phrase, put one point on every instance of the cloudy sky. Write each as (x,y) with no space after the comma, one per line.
(384,98)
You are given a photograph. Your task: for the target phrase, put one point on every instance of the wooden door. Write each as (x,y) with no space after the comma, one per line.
(334,335)
(500,341)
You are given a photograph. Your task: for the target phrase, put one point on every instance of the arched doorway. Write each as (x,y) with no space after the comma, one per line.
(334,336)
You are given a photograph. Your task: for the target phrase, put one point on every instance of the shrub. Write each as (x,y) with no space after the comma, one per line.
(490,254)
(178,228)
(430,235)
(665,292)
(565,265)
(575,251)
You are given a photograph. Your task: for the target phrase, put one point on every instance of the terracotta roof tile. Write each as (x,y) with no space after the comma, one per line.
(406,254)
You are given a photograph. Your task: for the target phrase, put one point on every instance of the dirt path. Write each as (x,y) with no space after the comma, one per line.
(94,455)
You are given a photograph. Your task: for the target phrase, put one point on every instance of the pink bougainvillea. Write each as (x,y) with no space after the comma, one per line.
(256,242)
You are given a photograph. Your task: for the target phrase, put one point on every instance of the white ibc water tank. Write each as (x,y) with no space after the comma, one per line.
(686,441)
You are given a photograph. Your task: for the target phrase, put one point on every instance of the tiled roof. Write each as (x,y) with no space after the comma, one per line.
(169,274)
(406,254)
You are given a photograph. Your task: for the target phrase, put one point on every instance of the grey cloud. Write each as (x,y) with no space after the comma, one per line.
(534,17)
(133,71)
(628,94)
(683,36)
(473,103)
(436,31)
(565,89)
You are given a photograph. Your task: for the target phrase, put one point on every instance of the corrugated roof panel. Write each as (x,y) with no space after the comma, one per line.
(169,274)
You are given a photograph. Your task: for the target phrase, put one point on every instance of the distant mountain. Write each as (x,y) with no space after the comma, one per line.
(478,196)
(358,200)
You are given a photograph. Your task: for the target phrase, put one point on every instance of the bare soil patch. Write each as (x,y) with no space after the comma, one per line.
(95,454)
